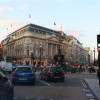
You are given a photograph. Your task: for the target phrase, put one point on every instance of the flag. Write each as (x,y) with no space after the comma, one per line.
(29,15)
(54,23)
(11,25)
(7,28)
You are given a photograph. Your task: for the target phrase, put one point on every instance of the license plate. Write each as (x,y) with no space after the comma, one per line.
(56,77)
(22,79)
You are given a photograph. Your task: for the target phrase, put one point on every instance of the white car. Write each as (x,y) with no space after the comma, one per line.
(6,66)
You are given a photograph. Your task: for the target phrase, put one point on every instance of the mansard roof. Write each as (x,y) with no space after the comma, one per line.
(34,26)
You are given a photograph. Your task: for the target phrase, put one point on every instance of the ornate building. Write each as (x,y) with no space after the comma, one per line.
(1,52)
(33,44)
(76,53)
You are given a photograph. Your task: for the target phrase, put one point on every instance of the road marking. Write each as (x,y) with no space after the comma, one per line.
(45,83)
(86,90)
(92,99)
(89,95)
(84,84)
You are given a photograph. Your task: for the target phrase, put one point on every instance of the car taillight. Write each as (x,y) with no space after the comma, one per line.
(49,73)
(62,73)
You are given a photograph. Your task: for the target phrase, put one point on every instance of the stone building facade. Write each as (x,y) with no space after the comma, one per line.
(33,44)
(76,53)
(1,52)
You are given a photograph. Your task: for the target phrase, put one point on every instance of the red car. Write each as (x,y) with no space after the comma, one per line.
(52,73)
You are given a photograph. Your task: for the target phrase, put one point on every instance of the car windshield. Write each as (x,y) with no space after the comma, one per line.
(24,69)
(56,69)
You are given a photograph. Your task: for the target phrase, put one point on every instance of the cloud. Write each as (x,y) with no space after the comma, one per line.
(1,10)
(8,26)
(65,1)
(25,7)
(6,9)
(61,1)
(11,24)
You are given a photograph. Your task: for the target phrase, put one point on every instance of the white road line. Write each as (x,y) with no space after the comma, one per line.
(86,90)
(89,95)
(45,83)
(92,99)
(83,83)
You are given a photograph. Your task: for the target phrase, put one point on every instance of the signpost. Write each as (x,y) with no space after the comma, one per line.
(98,49)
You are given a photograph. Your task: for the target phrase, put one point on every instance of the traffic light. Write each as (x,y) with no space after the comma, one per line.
(0,45)
(98,41)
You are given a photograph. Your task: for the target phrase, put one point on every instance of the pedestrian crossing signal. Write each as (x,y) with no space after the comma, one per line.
(0,45)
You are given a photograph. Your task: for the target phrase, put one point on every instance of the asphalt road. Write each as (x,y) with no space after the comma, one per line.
(71,89)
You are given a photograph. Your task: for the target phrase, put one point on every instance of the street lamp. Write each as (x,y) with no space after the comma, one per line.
(32,57)
(40,52)
(94,55)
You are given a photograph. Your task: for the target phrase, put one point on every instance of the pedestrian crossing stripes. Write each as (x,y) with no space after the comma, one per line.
(88,92)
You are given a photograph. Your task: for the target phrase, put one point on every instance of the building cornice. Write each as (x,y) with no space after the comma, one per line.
(47,40)
(41,28)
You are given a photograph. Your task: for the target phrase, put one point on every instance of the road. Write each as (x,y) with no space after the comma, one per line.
(71,89)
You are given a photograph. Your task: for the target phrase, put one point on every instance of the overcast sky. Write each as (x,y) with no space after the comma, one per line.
(80,18)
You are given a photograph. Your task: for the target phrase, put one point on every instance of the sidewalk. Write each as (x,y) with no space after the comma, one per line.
(94,86)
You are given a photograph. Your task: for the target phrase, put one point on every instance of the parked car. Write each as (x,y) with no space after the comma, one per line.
(6,88)
(23,74)
(6,66)
(52,73)
(91,70)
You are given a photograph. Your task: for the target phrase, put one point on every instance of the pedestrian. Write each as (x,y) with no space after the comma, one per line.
(80,68)
(98,74)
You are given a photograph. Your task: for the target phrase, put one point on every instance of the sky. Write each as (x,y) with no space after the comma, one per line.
(80,18)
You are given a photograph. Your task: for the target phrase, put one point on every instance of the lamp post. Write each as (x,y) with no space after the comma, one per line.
(32,57)
(40,52)
(98,48)
(94,55)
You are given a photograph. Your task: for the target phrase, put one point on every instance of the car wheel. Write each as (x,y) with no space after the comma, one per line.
(33,83)
(47,79)
(13,82)
(62,79)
